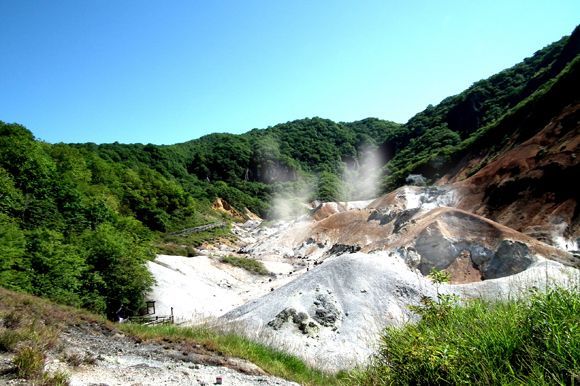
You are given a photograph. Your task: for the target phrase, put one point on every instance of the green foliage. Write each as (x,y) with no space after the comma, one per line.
(247,167)
(441,307)
(250,265)
(552,325)
(439,276)
(14,267)
(52,212)
(117,255)
(59,378)
(57,268)
(329,187)
(183,245)
(529,341)
(11,198)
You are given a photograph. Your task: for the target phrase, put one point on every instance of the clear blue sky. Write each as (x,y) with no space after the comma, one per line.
(170,71)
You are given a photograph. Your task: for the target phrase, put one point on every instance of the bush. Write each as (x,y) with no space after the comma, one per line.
(57,379)
(29,362)
(536,340)
(250,265)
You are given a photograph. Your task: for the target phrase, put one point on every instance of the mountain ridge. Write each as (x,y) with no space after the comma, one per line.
(76,217)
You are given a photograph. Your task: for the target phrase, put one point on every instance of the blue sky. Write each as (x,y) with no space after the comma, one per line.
(167,72)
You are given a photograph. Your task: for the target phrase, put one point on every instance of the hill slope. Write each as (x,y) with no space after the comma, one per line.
(65,344)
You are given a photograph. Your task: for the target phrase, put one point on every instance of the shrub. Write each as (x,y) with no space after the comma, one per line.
(535,340)
(250,265)
(29,362)
(12,320)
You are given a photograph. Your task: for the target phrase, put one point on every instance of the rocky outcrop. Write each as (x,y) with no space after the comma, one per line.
(221,205)
(350,271)
(299,319)
(443,236)
(348,299)
(326,312)
(326,209)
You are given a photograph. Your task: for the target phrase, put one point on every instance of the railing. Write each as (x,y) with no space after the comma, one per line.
(152,320)
(198,229)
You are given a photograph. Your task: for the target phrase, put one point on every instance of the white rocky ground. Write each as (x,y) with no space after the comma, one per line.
(201,287)
(119,360)
(346,271)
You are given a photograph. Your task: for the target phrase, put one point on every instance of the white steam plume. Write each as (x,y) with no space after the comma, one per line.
(361,179)
(291,200)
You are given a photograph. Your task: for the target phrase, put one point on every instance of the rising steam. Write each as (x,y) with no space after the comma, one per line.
(360,181)
(291,200)
(361,178)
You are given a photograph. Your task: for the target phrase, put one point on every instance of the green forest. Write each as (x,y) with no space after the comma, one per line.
(78,222)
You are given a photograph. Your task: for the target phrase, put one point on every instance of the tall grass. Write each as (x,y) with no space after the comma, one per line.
(530,341)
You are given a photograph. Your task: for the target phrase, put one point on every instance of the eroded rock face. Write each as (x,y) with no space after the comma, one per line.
(438,251)
(339,249)
(382,216)
(300,319)
(510,258)
(440,246)
(332,315)
(435,249)
(326,313)
(530,186)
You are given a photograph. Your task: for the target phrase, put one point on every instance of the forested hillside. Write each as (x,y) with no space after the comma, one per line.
(78,221)
(435,139)
(247,169)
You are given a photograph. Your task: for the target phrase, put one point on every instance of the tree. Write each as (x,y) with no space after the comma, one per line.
(118,255)
(57,268)
(14,269)
(329,187)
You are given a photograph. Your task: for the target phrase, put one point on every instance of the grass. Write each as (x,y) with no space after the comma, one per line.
(530,341)
(184,245)
(273,361)
(9,339)
(174,249)
(29,362)
(250,265)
